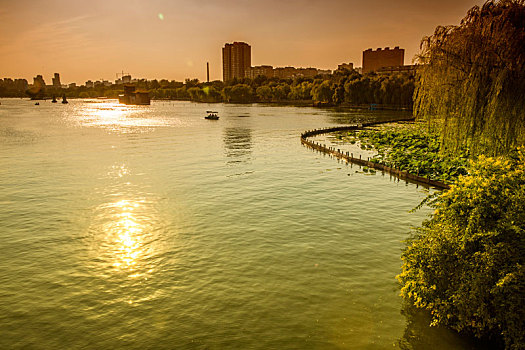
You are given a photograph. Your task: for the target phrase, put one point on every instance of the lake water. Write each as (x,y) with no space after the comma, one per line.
(130,227)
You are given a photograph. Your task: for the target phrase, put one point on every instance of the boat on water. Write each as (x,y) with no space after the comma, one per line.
(212,115)
(132,97)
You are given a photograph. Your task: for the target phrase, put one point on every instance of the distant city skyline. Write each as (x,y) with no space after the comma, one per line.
(173,40)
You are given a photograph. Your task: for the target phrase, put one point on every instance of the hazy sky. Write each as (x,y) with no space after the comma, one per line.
(174,39)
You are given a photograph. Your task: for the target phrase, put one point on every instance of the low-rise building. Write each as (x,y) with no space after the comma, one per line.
(292,72)
(284,72)
(265,71)
(345,66)
(398,69)
(306,72)
(324,71)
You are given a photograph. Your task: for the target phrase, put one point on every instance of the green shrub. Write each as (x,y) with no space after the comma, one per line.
(465,264)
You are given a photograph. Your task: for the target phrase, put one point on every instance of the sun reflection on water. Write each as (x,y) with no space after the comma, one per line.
(125,232)
(125,238)
(128,231)
(117,117)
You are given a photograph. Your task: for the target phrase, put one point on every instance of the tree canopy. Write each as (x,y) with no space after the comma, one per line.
(472,79)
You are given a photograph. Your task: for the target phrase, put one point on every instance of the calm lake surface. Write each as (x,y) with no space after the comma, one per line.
(128,227)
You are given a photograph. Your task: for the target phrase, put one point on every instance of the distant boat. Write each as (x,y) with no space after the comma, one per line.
(64,99)
(54,99)
(212,115)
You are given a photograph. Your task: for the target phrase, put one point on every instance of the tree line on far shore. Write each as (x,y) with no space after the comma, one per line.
(343,87)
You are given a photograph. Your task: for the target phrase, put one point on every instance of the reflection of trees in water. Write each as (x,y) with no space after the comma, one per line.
(419,335)
(237,144)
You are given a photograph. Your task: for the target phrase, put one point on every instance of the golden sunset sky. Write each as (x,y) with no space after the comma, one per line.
(173,39)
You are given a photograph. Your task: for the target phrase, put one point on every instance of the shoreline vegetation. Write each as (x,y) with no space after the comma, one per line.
(294,103)
(368,164)
(465,265)
(410,147)
(343,88)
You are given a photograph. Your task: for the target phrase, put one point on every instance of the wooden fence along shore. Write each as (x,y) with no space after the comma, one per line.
(349,157)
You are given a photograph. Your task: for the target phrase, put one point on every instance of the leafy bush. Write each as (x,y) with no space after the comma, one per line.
(465,264)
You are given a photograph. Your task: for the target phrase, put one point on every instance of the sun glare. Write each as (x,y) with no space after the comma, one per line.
(127,231)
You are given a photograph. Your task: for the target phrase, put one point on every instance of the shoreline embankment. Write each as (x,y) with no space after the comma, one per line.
(349,157)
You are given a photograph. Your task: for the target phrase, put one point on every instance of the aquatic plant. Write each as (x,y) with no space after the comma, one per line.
(412,148)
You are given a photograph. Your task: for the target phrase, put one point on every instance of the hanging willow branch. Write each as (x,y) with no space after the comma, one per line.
(471,83)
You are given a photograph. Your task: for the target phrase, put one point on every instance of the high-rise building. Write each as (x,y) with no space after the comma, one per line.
(236,60)
(38,81)
(374,60)
(56,80)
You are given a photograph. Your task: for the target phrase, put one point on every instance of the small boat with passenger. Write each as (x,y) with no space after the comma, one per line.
(212,115)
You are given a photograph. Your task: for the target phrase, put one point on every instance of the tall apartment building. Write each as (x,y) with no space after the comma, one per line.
(236,60)
(56,80)
(38,81)
(374,60)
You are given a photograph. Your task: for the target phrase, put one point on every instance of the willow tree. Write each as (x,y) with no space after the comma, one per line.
(471,84)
